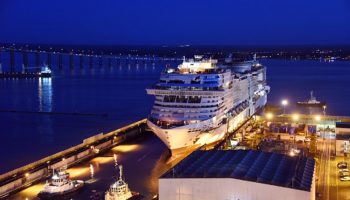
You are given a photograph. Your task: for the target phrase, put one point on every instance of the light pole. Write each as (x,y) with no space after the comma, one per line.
(284,103)
(318,119)
(324,110)
(269,116)
(295,119)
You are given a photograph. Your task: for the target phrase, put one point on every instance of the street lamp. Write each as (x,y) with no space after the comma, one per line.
(295,117)
(269,116)
(284,104)
(317,118)
(324,109)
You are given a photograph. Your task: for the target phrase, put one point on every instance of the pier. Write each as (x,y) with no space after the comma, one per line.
(32,173)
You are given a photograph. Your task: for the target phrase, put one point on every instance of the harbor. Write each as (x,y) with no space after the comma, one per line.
(174,100)
(25,176)
(146,150)
(97,169)
(94,160)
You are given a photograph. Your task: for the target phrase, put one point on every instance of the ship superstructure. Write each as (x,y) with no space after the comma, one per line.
(60,185)
(200,100)
(119,190)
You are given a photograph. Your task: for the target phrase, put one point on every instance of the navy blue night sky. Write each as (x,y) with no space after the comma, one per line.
(222,22)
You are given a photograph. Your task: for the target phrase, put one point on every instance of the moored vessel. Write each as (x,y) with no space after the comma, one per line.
(60,185)
(43,73)
(200,100)
(119,190)
(312,102)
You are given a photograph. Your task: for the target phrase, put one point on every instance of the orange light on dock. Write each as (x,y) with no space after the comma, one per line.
(126,148)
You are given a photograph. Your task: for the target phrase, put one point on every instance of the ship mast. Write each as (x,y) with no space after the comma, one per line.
(312,95)
(120,172)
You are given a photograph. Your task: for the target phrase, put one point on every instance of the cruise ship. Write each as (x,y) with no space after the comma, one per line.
(198,102)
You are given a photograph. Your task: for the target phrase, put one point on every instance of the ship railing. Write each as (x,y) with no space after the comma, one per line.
(154,91)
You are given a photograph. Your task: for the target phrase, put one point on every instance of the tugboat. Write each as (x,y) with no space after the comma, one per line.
(312,102)
(60,185)
(119,190)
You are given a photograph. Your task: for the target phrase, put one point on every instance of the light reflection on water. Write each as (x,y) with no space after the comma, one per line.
(45,93)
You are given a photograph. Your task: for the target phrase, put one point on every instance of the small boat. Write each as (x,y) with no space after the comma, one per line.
(312,102)
(60,185)
(46,72)
(119,190)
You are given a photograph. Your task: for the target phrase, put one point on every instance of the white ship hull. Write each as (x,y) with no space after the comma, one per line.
(197,103)
(179,139)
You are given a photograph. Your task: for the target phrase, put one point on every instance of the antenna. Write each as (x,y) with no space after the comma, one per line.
(120,171)
(254,57)
(115,160)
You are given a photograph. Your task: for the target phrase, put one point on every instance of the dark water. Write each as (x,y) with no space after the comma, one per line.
(120,92)
(293,80)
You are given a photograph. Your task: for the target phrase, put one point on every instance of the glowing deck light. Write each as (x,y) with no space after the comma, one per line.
(55,177)
(26,174)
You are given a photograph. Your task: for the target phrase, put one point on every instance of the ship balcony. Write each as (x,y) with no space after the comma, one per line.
(185,113)
(165,124)
(187,105)
(155,91)
(184,109)
(172,122)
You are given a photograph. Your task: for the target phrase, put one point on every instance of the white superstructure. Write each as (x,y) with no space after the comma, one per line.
(60,184)
(119,190)
(199,101)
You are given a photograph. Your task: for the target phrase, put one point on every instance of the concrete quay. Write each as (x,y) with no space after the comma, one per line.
(27,175)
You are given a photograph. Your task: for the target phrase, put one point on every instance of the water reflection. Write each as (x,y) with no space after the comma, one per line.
(45,94)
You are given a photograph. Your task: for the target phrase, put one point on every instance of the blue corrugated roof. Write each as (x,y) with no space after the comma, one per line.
(250,165)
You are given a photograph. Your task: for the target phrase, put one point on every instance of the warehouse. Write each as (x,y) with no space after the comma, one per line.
(239,175)
(342,130)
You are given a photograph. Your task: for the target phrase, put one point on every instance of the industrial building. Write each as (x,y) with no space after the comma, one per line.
(239,175)
(342,130)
